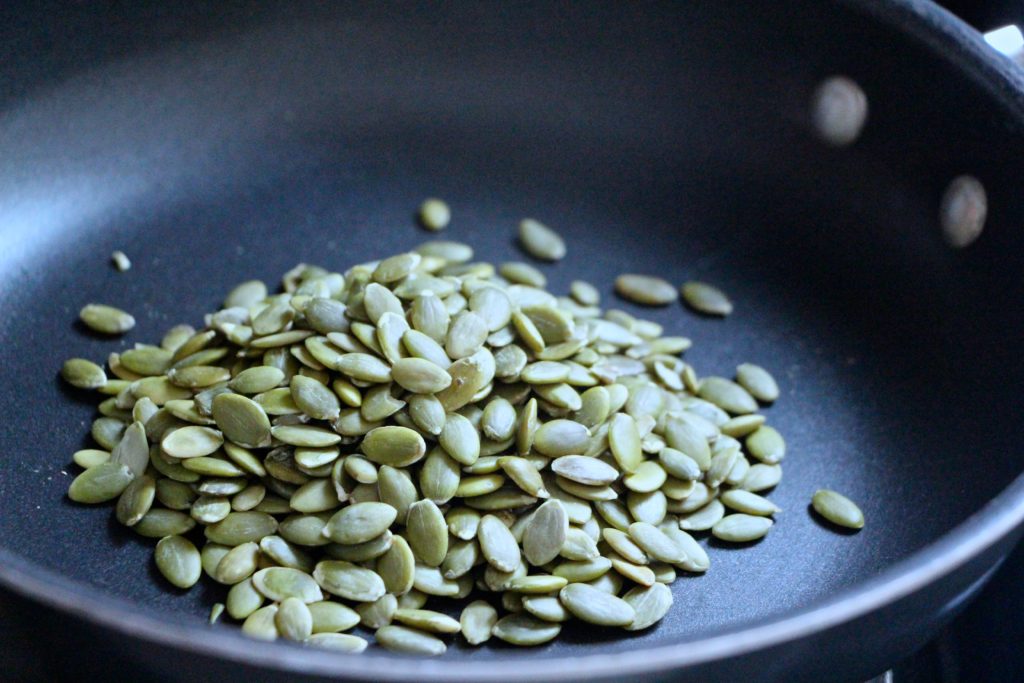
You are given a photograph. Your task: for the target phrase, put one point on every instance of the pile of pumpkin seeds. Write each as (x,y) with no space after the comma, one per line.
(428,429)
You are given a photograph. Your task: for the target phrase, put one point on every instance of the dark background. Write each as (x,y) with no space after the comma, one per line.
(981,645)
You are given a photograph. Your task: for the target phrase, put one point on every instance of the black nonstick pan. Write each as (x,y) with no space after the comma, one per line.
(218,142)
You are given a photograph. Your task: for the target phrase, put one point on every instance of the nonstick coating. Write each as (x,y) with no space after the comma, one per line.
(666,139)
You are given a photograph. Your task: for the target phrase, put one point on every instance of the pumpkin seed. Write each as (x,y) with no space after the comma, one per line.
(349,581)
(341,642)
(243,599)
(497,544)
(435,215)
(106,319)
(178,561)
(650,605)
(645,289)
(83,374)
(593,606)
(427,533)
(100,483)
(136,500)
(749,503)
(525,630)
(523,273)
(332,617)
(395,446)
(540,241)
(360,522)
(837,509)
(409,641)
(378,613)
(706,299)
(241,527)
(261,623)
(741,528)
(767,445)
(477,622)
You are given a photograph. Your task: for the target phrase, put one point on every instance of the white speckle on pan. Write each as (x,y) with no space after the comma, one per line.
(963,211)
(839,110)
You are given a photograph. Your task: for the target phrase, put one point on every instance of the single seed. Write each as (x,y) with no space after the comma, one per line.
(595,606)
(435,215)
(837,509)
(706,299)
(409,641)
(741,528)
(83,374)
(962,211)
(758,382)
(645,289)
(106,319)
(121,261)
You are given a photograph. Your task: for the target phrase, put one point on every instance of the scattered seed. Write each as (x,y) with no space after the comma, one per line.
(837,509)
(645,289)
(120,261)
(83,374)
(106,319)
(540,241)
(435,215)
(706,299)
(839,110)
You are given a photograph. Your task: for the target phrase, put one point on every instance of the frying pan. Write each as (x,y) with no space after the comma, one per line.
(214,143)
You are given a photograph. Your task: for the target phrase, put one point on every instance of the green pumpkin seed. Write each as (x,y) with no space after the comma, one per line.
(524,474)
(100,483)
(83,374)
(460,439)
(703,518)
(409,641)
(349,581)
(136,500)
(624,440)
(332,617)
(241,527)
(420,376)
(90,457)
(758,382)
(261,623)
(238,564)
(749,503)
(435,215)
(178,561)
(837,509)
(242,420)
(767,445)
(427,533)
(706,299)
(360,523)
(561,437)
(314,399)
(741,528)
(427,620)
(523,273)
(584,293)
(540,241)
(439,477)
(341,642)
(655,543)
(106,319)
(378,613)
(583,570)
(645,289)
(497,544)
(397,567)
(293,620)
(650,605)
(593,606)
(246,294)
(395,446)
(280,583)
(477,622)
(524,630)
(243,599)
(157,523)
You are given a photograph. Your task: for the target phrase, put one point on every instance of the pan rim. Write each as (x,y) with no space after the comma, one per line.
(925,22)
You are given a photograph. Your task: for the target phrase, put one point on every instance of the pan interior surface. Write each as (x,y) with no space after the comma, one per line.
(651,139)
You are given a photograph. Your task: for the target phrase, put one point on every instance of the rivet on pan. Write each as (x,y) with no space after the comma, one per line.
(963,210)
(839,110)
